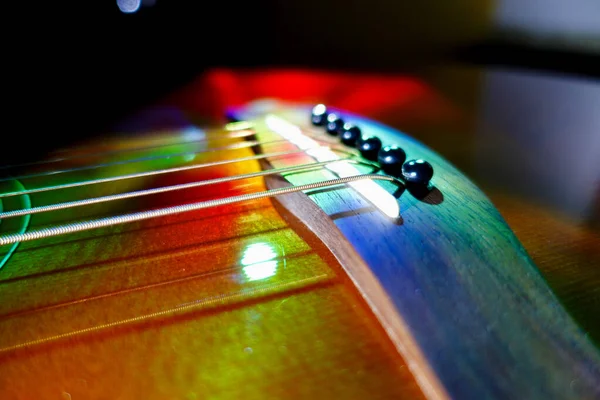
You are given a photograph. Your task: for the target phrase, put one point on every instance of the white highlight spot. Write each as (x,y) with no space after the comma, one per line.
(258,261)
(371,191)
(129,6)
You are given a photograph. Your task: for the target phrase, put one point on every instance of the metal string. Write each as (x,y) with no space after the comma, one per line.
(143,215)
(26,202)
(233,146)
(74,227)
(231,127)
(146,192)
(222,136)
(138,216)
(164,171)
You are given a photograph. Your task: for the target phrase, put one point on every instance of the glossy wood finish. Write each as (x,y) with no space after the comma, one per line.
(308,213)
(231,302)
(545,126)
(516,134)
(475,345)
(567,253)
(486,321)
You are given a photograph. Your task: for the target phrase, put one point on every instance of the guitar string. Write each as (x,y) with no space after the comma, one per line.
(165,189)
(169,170)
(231,127)
(26,203)
(333,145)
(186,307)
(172,210)
(233,146)
(205,301)
(223,136)
(162,212)
(159,190)
(236,130)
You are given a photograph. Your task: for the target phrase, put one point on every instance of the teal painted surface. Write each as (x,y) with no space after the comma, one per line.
(476,304)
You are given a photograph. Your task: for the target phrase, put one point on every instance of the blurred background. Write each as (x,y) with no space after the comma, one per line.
(81,65)
(507,90)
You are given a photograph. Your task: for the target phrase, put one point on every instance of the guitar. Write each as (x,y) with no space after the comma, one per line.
(270,259)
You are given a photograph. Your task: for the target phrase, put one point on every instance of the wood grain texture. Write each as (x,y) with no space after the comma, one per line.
(447,107)
(567,254)
(297,206)
(541,208)
(227,302)
(475,303)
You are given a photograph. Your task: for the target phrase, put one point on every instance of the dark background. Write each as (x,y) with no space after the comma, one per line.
(71,69)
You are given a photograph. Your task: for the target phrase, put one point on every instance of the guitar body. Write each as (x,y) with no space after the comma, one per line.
(311,294)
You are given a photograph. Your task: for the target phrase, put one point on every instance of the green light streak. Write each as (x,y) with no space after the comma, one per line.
(26,203)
